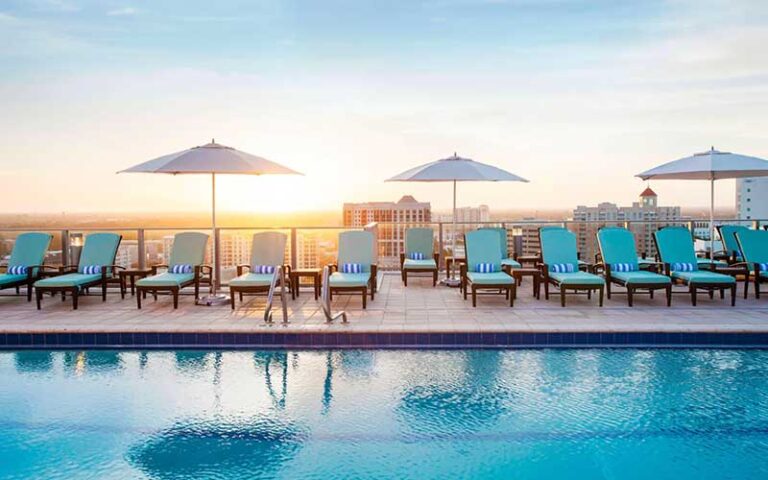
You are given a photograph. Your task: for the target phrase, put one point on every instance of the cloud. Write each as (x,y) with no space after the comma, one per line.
(122,12)
(55,5)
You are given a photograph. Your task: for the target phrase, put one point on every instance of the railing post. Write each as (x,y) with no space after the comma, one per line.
(65,247)
(294,249)
(217,258)
(373,227)
(142,250)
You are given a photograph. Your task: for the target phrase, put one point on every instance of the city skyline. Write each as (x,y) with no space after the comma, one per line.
(580,106)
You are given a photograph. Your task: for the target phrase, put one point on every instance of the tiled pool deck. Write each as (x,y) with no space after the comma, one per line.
(414,317)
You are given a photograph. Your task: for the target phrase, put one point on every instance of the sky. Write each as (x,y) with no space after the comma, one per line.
(577,97)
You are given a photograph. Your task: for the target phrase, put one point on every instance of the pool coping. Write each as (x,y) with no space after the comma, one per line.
(378,340)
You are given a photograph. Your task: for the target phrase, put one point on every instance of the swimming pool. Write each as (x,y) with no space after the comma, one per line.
(385,414)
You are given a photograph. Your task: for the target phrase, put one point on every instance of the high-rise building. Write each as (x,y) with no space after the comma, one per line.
(647,213)
(307,246)
(394,217)
(752,198)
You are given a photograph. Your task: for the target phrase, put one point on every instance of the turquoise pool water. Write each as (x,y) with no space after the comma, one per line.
(629,414)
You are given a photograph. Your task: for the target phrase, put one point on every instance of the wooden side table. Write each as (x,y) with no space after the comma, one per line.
(533,260)
(449,264)
(313,273)
(131,276)
(534,273)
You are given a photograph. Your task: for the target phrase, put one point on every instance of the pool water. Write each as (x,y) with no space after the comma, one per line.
(629,414)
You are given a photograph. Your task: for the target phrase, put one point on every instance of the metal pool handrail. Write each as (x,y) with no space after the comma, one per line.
(325,299)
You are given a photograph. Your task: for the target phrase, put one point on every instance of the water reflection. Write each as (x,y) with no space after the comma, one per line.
(269,362)
(92,361)
(191,362)
(33,361)
(218,448)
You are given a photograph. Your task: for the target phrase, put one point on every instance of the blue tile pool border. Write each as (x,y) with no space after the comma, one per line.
(399,340)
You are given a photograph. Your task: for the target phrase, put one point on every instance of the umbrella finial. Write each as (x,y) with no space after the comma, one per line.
(213,140)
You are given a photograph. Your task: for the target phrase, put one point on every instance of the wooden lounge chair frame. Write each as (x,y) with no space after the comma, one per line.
(433,270)
(242,290)
(372,283)
(634,287)
(75,291)
(43,271)
(202,273)
(509,289)
(575,287)
(753,273)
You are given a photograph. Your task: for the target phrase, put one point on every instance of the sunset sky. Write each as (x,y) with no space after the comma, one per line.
(575,96)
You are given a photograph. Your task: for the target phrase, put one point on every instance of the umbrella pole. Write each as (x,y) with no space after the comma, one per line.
(214,269)
(712,217)
(453,218)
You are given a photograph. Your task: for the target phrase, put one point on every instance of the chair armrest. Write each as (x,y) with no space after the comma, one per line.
(402,260)
(155,267)
(332,267)
(241,268)
(286,269)
(374,275)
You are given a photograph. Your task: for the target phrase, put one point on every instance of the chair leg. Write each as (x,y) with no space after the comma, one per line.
(474,296)
(197,289)
(365,295)
(693,294)
(75,295)
(29,292)
(630,290)
(465,291)
(103,291)
(139,294)
(669,296)
(608,289)
(757,286)
(405,278)
(232,297)
(589,294)
(512,293)
(722,293)
(733,295)
(546,290)
(601,295)
(562,296)
(746,285)
(38,298)
(651,293)
(434,278)
(175,293)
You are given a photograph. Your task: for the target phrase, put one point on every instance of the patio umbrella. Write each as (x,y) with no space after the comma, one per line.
(712,165)
(456,169)
(211,159)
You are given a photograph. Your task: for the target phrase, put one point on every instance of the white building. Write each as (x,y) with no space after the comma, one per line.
(752,198)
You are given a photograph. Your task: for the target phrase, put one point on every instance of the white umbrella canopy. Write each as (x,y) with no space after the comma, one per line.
(211,159)
(456,169)
(711,165)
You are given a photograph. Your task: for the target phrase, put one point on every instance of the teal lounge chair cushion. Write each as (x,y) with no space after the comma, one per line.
(6,279)
(29,249)
(252,280)
(641,276)
(754,246)
(510,262)
(420,264)
(338,279)
(356,247)
(419,240)
(166,280)
(703,276)
(188,249)
(483,248)
(708,263)
(617,246)
(577,278)
(558,246)
(728,236)
(675,245)
(268,248)
(495,278)
(502,232)
(68,280)
(99,249)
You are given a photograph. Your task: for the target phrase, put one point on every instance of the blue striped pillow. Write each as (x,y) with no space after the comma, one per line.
(264,269)
(91,270)
(485,268)
(684,267)
(625,267)
(764,267)
(180,268)
(352,268)
(17,270)
(417,256)
(562,268)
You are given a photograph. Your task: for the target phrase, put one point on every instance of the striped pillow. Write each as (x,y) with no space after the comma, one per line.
(562,268)
(264,269)
(417,256)
(91,270)
(180,268)
(352,268)
(625,267)
(485,268)
(17,270)
(763,267)
(684,267)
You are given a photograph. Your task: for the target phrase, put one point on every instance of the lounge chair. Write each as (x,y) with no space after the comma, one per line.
(753,245)
(355,270)
(731,252)
(267,261)
(507,262)
(419,254)
(96,267)
(675,247)
(184,268)
(583,265)
(560,265)
(26,263)
(483,268)
(621,266)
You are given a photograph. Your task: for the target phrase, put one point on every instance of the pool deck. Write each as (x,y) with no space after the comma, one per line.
(418,316)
